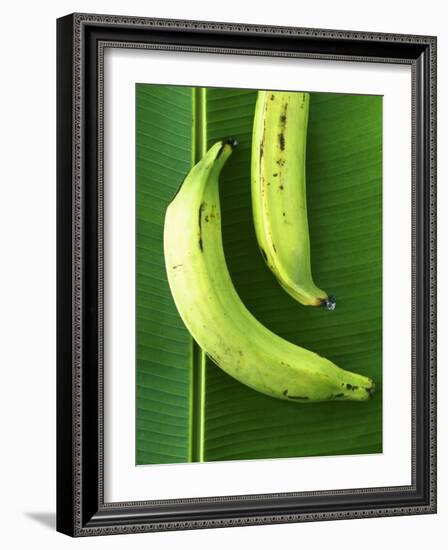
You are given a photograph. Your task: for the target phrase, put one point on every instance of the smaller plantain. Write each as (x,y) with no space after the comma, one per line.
(279,193)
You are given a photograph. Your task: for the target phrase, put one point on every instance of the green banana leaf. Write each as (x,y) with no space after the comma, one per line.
(187,408)
(163,346)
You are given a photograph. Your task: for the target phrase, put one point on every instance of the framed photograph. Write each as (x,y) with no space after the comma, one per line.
(246,274)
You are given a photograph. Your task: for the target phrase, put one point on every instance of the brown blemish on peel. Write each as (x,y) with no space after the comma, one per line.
(201,208)
(283,117)
(281,141)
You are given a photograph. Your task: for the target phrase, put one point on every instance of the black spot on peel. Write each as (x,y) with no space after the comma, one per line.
(280,162)
(178,265)
(273,246)
(272,97)
(262,140)
(263,253)
(283,117)
(281,187)
(275,175)
(350,387)
(281,141)
(338,395)
(201,208)
(284,214)
(303,397)
(285,392)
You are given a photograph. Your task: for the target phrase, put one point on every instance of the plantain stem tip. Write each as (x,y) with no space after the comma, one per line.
(330,303)
(231,141)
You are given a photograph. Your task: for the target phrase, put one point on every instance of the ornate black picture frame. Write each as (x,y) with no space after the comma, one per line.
(81,509)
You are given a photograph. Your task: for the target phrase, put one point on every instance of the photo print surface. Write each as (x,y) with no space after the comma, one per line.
(265,339)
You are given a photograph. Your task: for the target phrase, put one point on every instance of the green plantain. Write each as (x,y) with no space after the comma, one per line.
(279,193)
